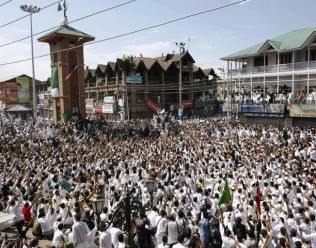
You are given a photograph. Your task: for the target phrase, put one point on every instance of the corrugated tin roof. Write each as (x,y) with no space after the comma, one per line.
(288,41)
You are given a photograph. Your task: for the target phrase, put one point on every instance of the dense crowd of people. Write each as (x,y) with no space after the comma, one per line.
(270,173)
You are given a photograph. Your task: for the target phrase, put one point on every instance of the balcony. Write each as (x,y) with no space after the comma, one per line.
(300,66)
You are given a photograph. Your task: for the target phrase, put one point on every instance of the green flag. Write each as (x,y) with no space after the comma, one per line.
(59,7)
(124,57)
(54,82)
(225,197)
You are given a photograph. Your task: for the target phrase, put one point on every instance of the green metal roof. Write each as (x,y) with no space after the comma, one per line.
(288,41)
(66,30)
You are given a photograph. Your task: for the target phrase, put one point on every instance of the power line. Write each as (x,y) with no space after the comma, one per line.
(5,3)
(26,15)
(128,33)
(79,19)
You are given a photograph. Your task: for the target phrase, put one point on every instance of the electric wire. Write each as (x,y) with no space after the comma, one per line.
(2,4)
(20,18)
(79,19)
(128,33)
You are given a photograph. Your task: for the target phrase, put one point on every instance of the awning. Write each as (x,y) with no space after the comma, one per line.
(18,108)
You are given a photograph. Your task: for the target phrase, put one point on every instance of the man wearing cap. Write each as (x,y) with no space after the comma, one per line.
(80,232)
(59,238)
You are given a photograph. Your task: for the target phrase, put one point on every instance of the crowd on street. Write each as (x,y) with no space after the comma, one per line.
(270,173)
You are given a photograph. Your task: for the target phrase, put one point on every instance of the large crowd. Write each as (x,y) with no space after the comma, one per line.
(270,172)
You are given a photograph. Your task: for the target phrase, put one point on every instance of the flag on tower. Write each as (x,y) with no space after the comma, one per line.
(59,8)
(54,82)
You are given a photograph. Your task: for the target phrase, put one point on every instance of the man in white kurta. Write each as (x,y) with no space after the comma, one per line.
(80,232)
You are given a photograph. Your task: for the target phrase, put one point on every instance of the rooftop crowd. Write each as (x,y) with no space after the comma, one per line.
(270,173)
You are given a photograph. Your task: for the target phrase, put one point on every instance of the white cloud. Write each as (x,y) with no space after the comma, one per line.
(148,50)
(95,55)
(205,45)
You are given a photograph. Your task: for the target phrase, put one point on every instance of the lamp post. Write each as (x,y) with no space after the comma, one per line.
(97,200)
(32,10)
(181,48)
(151,186)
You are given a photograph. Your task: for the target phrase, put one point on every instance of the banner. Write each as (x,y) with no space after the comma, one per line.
(11,95)
(262,108)
(109,108)
(303,110)
(133,79)
(109,99)
(230,107)
(23,87)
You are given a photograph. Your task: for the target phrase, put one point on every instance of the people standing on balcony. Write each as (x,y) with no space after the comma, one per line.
(291,98)
(281,97)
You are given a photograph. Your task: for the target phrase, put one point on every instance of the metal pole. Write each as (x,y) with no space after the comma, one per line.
(230,92)
(181,46)
(33,74)
(228,95)
(180,84)
(32,9)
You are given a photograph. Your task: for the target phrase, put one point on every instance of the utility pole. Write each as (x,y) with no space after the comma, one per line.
(180,110)
(32,10)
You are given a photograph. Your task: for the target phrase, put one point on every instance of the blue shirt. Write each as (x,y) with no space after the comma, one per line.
(205,228)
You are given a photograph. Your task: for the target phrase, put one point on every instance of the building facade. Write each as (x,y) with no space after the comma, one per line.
(281,70)
(134,87)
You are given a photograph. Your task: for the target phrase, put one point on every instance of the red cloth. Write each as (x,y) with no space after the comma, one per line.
(26,211)
(258,200)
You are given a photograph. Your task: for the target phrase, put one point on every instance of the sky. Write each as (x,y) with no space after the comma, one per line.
(208,36)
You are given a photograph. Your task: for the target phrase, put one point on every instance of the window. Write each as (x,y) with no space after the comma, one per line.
(285,58)
(259,61)
(271,48)
(312,55)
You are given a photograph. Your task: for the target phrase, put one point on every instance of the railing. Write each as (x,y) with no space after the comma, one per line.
(275,68)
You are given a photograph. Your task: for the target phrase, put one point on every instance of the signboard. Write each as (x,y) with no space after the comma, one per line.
(89,103)
(109,108)
(11,95)
(303,110)
(134,79)
(16,92)
(108,99)
(23,87)
(262,108)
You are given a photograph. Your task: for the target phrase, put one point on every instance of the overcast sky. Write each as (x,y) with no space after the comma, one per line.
(208,36)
